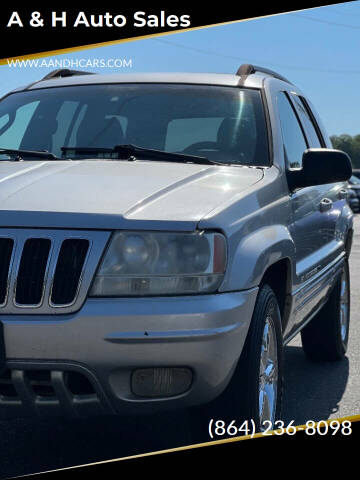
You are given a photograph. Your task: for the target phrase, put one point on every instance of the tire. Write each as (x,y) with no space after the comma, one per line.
(325,338)
(241,399)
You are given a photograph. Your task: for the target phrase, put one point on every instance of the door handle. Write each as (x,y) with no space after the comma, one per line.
(326,205)
(343,193)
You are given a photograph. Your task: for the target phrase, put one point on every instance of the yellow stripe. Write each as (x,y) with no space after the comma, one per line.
(352,419)
(62,51)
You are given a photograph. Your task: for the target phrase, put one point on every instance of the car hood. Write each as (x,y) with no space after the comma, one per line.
(101,193)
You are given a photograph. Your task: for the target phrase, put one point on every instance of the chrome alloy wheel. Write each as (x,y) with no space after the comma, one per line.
(344,306)
(268,378)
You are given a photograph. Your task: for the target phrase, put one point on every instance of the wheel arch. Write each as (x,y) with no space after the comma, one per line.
(348,241)
(282,269)
(256,253)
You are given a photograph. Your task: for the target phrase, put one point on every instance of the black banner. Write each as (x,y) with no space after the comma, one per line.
(28,31)
(231,457)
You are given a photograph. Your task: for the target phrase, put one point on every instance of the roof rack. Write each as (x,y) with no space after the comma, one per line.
(248,69)
(65,72)
(61,72)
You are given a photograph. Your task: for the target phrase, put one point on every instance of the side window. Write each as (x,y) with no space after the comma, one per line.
(307,121)
(293,137)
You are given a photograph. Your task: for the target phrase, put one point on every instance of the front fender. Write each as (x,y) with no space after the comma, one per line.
(253,255)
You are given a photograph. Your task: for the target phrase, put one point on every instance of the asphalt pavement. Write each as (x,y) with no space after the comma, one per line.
(316,391)
(313,391)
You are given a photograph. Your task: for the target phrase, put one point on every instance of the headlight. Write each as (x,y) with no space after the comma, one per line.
(156,263)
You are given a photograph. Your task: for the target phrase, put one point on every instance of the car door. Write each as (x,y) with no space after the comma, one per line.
(309,225)
(333,195)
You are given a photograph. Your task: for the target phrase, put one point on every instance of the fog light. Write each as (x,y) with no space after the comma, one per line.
(160,382)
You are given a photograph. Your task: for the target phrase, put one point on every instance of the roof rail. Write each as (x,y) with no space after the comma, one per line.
(65,72)
(248,69)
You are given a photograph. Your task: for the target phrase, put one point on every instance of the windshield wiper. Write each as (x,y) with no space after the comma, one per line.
(132,152)
(19,154)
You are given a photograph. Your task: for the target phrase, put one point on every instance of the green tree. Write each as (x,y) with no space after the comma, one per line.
(350,145)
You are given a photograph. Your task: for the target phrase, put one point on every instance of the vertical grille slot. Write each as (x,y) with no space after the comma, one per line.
(31,274)
(6,248)
(68,270)
(7,388)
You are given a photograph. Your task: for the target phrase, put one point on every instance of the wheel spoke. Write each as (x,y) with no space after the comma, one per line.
(268,374)
(344,307)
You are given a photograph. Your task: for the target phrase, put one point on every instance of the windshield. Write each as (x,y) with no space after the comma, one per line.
(224,124)
(354,180)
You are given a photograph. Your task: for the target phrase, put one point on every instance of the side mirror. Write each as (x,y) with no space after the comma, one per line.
(321,166)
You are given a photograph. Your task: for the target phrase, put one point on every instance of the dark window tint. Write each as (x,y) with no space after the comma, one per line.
(307,122)
(14,124)
(193,131)
(225,124)
(64,117)
(293,137)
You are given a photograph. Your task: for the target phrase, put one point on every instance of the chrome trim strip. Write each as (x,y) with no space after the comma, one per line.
(9,271)
(311,316)
(29,305)
(319,274)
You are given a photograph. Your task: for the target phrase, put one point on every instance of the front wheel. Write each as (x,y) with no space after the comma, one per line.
(326,336)
(255,390)
(261,363)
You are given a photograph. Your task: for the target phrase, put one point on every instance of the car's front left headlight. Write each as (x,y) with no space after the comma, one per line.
(161,263)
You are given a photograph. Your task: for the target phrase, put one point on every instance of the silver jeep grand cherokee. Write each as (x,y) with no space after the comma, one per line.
(162,236)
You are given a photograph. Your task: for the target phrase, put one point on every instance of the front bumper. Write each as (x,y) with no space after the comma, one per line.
(109,338)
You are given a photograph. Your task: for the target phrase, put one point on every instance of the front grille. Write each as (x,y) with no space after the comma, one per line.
(47,271)
(68,271)
(48,391)
(31,274)
(6,248)
(40,383)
